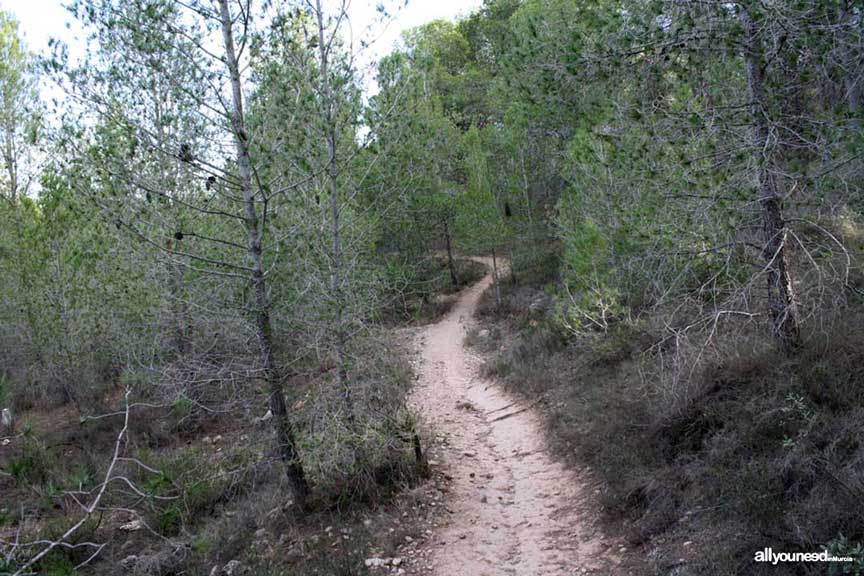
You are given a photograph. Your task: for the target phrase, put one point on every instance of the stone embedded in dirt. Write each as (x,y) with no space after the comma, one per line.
(375,562)
(132,526)
(396,561)
(7,421)
(233,568)
(128,563)
(469,453)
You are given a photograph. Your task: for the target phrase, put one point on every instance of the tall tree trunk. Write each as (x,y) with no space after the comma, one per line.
(781,292)
(264,331)
(339,337)
(454,279)
(495,279)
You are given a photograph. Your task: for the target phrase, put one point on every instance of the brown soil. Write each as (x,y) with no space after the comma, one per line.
(510,508)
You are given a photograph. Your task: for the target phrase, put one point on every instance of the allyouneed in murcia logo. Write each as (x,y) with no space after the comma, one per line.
(768,555)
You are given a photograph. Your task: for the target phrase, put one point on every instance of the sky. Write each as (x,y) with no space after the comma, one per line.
(43,19)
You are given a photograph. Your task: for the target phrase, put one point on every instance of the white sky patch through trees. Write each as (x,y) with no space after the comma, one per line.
(41,20)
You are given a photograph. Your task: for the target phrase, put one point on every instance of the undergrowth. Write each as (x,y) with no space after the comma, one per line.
(745,450)
(423,292)
(193,494)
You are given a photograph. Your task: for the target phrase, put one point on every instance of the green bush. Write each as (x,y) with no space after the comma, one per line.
(33,464)
(842,548)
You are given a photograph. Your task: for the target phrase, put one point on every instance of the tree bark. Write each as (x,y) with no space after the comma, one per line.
(454,278)
(284,431)
(781,292)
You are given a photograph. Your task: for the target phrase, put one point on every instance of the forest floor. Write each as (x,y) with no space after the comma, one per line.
(508,508)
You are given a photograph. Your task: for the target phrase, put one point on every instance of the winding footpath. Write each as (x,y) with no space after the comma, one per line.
(511,509)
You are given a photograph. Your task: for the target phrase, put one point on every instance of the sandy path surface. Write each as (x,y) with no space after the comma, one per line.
(511,509)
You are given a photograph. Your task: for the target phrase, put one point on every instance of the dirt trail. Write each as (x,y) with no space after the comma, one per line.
(511,509)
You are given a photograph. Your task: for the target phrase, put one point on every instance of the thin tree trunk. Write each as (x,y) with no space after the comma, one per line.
(852,78)
(450,263)
(332,176)
(526,188)
(781,293)
(175,270)
(495,279)
(264,331)
(182,343)
(11,161)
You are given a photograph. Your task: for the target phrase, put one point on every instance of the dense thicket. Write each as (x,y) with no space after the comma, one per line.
(220,219)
